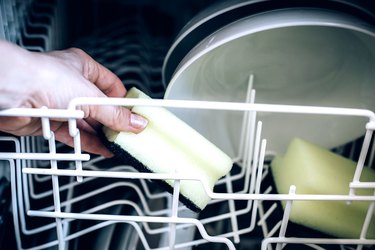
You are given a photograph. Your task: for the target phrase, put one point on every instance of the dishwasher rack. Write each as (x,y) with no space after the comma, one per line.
(63,198)
(153,212)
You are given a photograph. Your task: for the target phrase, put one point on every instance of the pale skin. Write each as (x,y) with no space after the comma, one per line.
(52,79)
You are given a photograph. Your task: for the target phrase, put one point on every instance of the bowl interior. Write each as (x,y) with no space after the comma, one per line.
(305,64)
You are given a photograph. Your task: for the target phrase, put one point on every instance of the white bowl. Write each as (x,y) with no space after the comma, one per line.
(299,57)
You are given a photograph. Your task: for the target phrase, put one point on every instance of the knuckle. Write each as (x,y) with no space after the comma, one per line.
(77,51)
(119,119)
(113,119)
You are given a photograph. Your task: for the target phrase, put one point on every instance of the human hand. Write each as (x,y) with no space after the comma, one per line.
(52,79)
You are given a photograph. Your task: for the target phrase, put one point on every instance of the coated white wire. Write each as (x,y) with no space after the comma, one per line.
(318,241)
(220,196)
(152,219)
(256,196)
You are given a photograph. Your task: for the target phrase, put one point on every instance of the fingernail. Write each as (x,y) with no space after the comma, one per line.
(138,121)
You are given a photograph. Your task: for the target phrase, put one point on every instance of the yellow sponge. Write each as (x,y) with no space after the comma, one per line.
(169,145)
(316,170)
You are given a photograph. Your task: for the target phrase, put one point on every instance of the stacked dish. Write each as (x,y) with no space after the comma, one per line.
(298,56)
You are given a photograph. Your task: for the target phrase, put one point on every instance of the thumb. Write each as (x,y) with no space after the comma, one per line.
(118,118)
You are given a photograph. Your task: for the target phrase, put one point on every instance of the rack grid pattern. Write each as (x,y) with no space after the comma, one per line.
(30,168)
(61,195)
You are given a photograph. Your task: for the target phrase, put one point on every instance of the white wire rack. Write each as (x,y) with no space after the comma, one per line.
(243,202)
(61,196)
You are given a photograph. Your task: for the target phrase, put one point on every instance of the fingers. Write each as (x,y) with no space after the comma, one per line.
(89,142)
(118,118)
(20,125)
(25,126)
(102,77)
(88,125)
(74,74)
(105,83)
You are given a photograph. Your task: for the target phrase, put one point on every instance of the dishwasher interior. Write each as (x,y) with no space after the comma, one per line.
(55,198)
